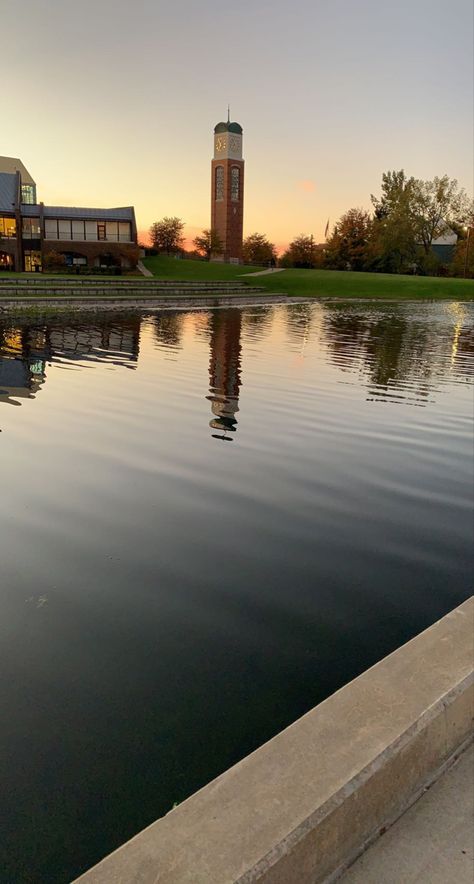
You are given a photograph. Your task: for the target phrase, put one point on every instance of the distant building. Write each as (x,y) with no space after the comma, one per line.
(444,246)
(30,230)
(227,189)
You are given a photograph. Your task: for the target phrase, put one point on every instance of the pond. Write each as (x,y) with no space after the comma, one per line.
(210,521)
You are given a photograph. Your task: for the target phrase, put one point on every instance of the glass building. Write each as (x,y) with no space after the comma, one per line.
(34,237)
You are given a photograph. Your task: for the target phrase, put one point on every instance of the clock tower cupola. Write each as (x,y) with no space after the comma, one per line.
(227,189)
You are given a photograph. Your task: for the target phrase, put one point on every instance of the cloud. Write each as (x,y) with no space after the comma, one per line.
(306,185)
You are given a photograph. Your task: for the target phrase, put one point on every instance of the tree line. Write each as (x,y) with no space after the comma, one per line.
(167,237)
(397,236)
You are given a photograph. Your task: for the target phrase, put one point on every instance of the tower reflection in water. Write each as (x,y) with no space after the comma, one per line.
(224,371)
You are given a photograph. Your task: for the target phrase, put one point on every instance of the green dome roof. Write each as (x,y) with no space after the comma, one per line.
(228,127)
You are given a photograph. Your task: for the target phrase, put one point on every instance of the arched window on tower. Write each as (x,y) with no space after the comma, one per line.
(219,182)
(234,184)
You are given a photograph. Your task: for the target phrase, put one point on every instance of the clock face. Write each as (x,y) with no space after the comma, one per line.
(220,143)
(234,143)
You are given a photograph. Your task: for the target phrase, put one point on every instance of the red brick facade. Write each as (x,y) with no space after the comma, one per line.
(95,252)
(227,214)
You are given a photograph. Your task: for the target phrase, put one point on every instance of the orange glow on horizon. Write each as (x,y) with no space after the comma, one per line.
(320,124)
(191,233)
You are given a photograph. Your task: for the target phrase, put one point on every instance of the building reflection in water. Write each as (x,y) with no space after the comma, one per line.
(224,371)
(22,363)
(26,348)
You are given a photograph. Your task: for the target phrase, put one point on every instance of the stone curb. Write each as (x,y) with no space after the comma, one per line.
(150,303)
(304,805)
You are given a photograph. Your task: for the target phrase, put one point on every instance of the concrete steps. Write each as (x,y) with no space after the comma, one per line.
(114,282)
(148,303)
(52,288)
(133,294)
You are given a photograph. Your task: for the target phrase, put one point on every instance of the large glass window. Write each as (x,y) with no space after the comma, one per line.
(28,194)
(125,231)
(6,261)
(112,230)
(7,227)
(31,228)
(78,230)
(75,260)
(234,183)
(219,182)
(64,228)
(50,228)
(91,230)
(32,261)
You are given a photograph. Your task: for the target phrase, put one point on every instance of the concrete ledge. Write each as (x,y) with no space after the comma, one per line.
(42,280)
(303,806)
(114,301)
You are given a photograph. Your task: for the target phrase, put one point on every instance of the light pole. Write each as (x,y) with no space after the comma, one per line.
(468,238)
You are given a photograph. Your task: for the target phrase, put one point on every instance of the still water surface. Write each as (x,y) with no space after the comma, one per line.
(209,522)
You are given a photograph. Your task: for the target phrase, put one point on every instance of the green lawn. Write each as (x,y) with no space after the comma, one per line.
(341,284)
(178,268)
(318,283)
(302,283)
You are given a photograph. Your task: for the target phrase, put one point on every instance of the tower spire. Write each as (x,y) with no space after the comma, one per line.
(228,113)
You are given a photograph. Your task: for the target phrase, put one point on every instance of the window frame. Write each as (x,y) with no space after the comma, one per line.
(219,184)
(235,180)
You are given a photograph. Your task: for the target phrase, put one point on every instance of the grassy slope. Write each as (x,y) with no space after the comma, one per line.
(319,283)
(173,268)
(339,284)
(306,283)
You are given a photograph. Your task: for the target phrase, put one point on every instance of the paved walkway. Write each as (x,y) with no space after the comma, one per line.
(264,272)
(144,269)
(433,842)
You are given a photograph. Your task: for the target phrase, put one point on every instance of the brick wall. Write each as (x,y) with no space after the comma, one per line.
(89,250)
(227,216)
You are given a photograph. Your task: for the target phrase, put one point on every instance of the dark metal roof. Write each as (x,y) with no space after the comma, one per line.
(123,213)
(7,192)
(228,127)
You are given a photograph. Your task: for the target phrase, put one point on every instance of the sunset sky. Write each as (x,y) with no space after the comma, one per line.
(112,102)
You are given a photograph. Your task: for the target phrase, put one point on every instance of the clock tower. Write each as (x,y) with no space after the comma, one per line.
(227,190)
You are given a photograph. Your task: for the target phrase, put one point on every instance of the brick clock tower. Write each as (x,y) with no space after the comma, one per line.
(227,190)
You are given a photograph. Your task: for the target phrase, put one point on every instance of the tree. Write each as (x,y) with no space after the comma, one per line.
(348,245)
(438,207)
(393,246)
(410,215)
(257,249)
(54,260)
(302,252)
(167,235)
(396,196)
(209,243)
(463,259)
